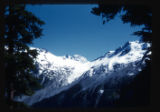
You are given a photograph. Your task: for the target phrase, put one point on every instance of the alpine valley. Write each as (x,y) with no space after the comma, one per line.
(73,81)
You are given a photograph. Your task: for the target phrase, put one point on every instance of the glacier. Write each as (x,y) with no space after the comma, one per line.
(60,73)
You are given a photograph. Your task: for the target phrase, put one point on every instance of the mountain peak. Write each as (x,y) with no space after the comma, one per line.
(76,57)
(79,58)
(61,72)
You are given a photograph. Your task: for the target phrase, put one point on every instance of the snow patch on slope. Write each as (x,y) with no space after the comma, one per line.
(77,64)
(61,72)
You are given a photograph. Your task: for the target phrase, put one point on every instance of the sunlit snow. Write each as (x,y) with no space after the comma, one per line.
(101,91)
(65,71)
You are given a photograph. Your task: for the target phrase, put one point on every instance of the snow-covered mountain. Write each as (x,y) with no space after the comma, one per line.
(60,74)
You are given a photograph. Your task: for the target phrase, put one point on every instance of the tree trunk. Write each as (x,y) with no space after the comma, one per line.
(10,96)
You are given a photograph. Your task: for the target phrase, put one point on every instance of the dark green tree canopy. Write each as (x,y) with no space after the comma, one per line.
(136,16)
(133,14)
(21,28)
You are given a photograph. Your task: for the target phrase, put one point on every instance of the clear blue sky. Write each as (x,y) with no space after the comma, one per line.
(73,29)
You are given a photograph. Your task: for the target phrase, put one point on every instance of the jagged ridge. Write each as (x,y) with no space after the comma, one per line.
(61,73)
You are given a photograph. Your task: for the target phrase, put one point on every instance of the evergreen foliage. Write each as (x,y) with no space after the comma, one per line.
(21,28)
(137,93)
(135,15)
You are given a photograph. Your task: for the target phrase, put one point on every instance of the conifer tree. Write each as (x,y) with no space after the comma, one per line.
(136,16)
(21,28)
